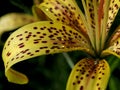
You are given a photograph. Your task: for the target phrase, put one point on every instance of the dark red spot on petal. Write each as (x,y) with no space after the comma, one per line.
(35,28)
(47,51)
(78,82)
(73,83)
(93,77)
(8,54)
(81,88)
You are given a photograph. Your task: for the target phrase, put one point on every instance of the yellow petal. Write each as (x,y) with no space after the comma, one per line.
(114,36)
(113,10)
(90,8)
(65,12)
(41,38)
(113,45)
(38,14)
(16,77)
(13,21)
(89,75)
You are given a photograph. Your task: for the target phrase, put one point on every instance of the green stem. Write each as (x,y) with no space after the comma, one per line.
(69,60)
(21,6)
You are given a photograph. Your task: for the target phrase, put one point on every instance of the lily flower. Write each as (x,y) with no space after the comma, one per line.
(68,29)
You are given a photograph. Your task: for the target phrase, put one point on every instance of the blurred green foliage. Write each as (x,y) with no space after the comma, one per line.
(49,72)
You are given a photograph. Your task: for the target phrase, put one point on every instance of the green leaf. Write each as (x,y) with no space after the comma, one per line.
(89,75)
(114,62)
(41,38)
(114,83)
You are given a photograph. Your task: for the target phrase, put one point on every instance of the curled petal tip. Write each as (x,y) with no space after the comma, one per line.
(16,77)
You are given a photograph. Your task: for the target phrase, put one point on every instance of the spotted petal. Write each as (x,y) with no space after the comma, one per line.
(113,46)
(89,75)
(105,19)
(38,39)
(38,14)
(90,8)
(64,11)
(113,10)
